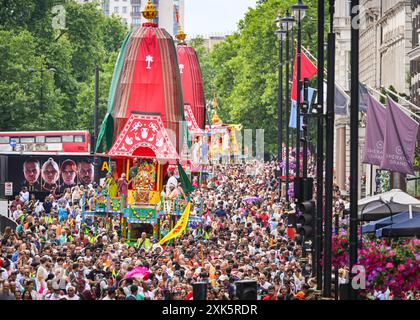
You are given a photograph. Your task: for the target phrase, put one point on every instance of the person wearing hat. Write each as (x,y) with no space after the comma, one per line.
(226,285)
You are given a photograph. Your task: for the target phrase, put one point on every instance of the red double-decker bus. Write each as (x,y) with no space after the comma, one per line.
(45,142)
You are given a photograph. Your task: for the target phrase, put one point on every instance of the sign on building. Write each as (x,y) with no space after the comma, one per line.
(8,188)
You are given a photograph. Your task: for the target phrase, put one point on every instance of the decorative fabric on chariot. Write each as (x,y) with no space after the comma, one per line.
(146,80)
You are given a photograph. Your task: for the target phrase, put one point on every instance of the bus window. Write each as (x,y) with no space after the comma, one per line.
(53,139)
(15,139)
(79,139)
(4,139)
(67,138)
(40,139)
(27,139)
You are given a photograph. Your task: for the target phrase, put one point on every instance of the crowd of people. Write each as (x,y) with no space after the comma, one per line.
(247,233)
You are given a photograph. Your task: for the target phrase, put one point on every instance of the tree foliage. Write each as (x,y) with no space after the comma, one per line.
(243,69)
(29,44)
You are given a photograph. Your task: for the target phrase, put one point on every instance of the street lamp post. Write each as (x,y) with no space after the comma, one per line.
(281,34)
(287,22)
(41,71)
(329,159)
(354,137)
(320,146)
(299,11)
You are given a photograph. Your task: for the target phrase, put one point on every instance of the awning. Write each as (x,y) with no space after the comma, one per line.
(142,133)
(397,200)
(408,228)
(398,218)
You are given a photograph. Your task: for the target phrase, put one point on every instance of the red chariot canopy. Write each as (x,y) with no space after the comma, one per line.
(149,81)
(192,82)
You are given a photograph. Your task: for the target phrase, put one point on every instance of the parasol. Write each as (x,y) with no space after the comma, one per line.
(143,272)
(250,199)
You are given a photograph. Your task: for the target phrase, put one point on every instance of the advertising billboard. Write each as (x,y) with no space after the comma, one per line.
(43,174)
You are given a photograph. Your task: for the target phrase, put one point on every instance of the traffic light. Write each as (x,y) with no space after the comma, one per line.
(303,188)
(306,221)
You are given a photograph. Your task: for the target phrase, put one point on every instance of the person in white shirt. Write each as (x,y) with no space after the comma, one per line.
(42,274)
(55,294)
(111,295)
(71,294)
(79,220)
(17,213)
(24,195)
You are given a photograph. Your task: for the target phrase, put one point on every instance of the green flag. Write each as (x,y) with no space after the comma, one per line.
(185,182)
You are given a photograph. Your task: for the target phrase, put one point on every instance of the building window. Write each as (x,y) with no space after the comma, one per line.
(116,9)
(124,9)
(136,21)
(136,9)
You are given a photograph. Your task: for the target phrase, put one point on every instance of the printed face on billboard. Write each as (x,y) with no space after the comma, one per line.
(50,173)
(68,172)
(31,171)
(86,171)
(44,173)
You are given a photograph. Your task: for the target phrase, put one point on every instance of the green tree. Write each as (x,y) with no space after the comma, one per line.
(243,70)
(29,41)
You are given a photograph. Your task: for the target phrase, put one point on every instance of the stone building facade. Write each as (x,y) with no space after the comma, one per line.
(386,33)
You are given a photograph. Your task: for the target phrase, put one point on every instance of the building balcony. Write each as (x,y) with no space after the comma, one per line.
(414,54)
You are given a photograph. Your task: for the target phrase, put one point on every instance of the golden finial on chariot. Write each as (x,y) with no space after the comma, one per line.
(181,36)
(149,11)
